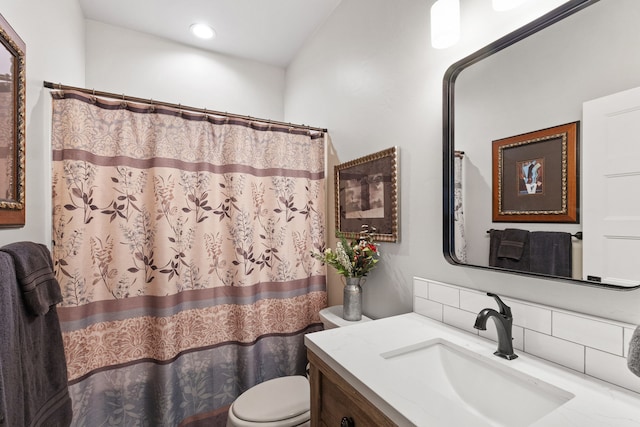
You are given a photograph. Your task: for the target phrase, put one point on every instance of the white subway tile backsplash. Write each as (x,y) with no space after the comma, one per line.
(554,349)
(428,308)
(474,301)
(525,315)
(628,333)
(611,368)
(420,288)
(592,333)
(444,294)
(587,344)
(530,317)
(460,319)
(492,334)
(518,338)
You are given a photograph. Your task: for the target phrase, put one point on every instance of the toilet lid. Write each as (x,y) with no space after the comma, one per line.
(274,400)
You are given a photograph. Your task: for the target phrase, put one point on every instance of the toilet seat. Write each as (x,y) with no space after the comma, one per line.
(278,402)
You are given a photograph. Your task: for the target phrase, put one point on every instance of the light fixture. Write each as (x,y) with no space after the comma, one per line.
(202,31)
(445,23)
(500,5)
(445,20)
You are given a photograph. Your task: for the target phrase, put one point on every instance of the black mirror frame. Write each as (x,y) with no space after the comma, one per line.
(448,137)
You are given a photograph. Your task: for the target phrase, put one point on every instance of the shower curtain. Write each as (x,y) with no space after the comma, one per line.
(182,244)
(459,238)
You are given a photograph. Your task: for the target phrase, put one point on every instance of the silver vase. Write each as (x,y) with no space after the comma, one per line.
(352,300)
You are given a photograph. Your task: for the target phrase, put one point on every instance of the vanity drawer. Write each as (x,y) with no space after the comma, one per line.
(333,399)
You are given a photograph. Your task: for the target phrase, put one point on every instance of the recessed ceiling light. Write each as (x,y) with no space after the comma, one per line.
(202,31)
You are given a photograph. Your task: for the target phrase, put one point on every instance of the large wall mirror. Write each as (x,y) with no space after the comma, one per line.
(544,75)
(12,127)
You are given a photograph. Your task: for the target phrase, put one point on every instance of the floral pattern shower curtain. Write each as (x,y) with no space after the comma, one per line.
(458,209)
(182,244)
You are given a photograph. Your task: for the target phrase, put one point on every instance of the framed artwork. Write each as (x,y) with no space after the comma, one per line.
(535,176)
(12,127)
(367,193)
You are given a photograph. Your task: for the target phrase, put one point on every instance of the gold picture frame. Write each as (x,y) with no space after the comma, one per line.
(366,192)
(535,176)
(12,126)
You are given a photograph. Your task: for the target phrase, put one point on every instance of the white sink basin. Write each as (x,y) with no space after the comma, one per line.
(488,389)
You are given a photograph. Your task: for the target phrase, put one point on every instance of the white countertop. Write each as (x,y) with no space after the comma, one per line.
(354,353)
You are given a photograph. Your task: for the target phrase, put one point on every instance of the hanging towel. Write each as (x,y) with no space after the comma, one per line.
(551,253)
(494,243)
(34,271)
(513,243)
(495,239)
(633,359)
(33,370)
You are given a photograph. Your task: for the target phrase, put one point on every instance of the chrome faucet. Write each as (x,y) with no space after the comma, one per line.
(504,322)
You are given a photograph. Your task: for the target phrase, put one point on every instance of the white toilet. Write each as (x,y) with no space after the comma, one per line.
(331,317)
(284,401)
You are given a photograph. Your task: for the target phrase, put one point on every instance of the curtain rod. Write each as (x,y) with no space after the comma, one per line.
(124,97)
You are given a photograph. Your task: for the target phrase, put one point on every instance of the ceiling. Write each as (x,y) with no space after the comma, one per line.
(268,31)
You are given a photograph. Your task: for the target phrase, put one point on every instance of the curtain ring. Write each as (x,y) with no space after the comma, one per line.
(152,108)
(93,96)
(124,102)
(205,116)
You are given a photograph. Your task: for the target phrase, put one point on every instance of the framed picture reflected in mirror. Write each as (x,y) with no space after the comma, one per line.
(535,176)
(12,126)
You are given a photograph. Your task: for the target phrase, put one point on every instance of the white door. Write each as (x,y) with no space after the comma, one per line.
(611,188)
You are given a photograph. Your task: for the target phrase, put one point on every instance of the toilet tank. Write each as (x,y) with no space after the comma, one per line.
(331,317)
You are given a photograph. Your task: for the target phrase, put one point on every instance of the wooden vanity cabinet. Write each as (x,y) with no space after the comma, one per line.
(335,403)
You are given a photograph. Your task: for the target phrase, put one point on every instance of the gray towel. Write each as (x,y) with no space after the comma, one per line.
(551,253)
(633,359)
(33,370)
(34,271)
(495,238)
(494,243)
(512,243)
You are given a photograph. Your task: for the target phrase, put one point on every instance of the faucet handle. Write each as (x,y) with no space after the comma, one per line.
(504,308)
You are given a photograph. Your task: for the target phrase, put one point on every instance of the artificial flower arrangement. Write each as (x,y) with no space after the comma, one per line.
(355,258)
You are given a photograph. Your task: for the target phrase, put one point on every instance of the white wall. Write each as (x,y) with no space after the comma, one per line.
(145,66)
(118,61)
(54,34)
(370,76)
